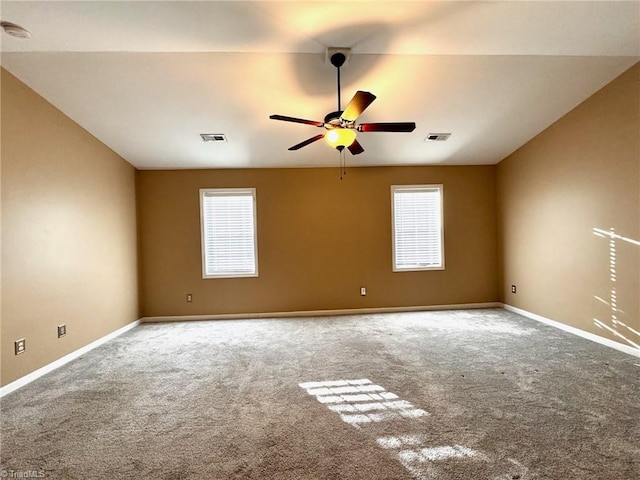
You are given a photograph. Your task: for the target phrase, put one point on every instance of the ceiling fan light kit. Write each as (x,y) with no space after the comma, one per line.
(340,126)
(340,137)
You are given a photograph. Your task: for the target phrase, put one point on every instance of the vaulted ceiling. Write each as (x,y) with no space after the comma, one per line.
(148,77)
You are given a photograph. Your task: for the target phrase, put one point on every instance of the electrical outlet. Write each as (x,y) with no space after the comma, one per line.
(189,297)
(62,330)
(363,291)
(21,346)
(513,289)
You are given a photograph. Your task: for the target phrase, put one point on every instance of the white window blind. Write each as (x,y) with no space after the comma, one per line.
(417,227)
(228,221)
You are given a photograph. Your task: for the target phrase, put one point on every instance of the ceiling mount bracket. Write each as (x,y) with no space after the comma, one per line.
(338,56)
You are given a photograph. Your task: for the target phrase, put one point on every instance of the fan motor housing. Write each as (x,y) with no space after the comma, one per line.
(333,118)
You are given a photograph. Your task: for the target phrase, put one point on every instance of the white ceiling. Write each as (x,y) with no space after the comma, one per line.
(148,77)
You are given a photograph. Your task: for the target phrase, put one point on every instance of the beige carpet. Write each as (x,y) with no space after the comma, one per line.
(482,394)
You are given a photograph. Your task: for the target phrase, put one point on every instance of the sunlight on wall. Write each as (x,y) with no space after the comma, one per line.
(360,401)
(611,233)
(616,323)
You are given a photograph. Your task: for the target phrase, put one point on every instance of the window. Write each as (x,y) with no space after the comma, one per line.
(228,222)
(416,215)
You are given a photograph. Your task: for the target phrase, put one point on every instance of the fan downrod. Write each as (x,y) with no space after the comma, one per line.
(337,60)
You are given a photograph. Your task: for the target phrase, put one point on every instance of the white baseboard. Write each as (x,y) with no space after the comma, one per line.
(311,313)
(22,381)
(320,313)
(576,331)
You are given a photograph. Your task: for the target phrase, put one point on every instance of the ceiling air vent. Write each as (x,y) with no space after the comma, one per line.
(213,137)
(437,137)
(15,30)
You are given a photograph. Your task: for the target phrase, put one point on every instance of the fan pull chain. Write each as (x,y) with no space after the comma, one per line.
(343,165)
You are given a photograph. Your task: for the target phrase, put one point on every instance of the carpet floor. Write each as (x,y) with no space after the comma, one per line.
(479,394)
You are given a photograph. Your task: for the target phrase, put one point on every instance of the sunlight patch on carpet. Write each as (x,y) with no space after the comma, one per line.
(360,401)
(419,459)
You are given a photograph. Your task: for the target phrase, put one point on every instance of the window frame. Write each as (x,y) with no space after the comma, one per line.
(228,192)
(407,188)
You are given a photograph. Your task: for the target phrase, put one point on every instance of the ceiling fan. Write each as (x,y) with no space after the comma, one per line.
(340,126)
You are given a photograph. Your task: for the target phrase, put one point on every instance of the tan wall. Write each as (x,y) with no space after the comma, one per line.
(319,240)
(68,233)
(581,173)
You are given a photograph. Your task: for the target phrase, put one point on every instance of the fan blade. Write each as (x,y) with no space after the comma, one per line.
(360,101)
(296,120)
(387,127)
(307,142)
(355,148)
